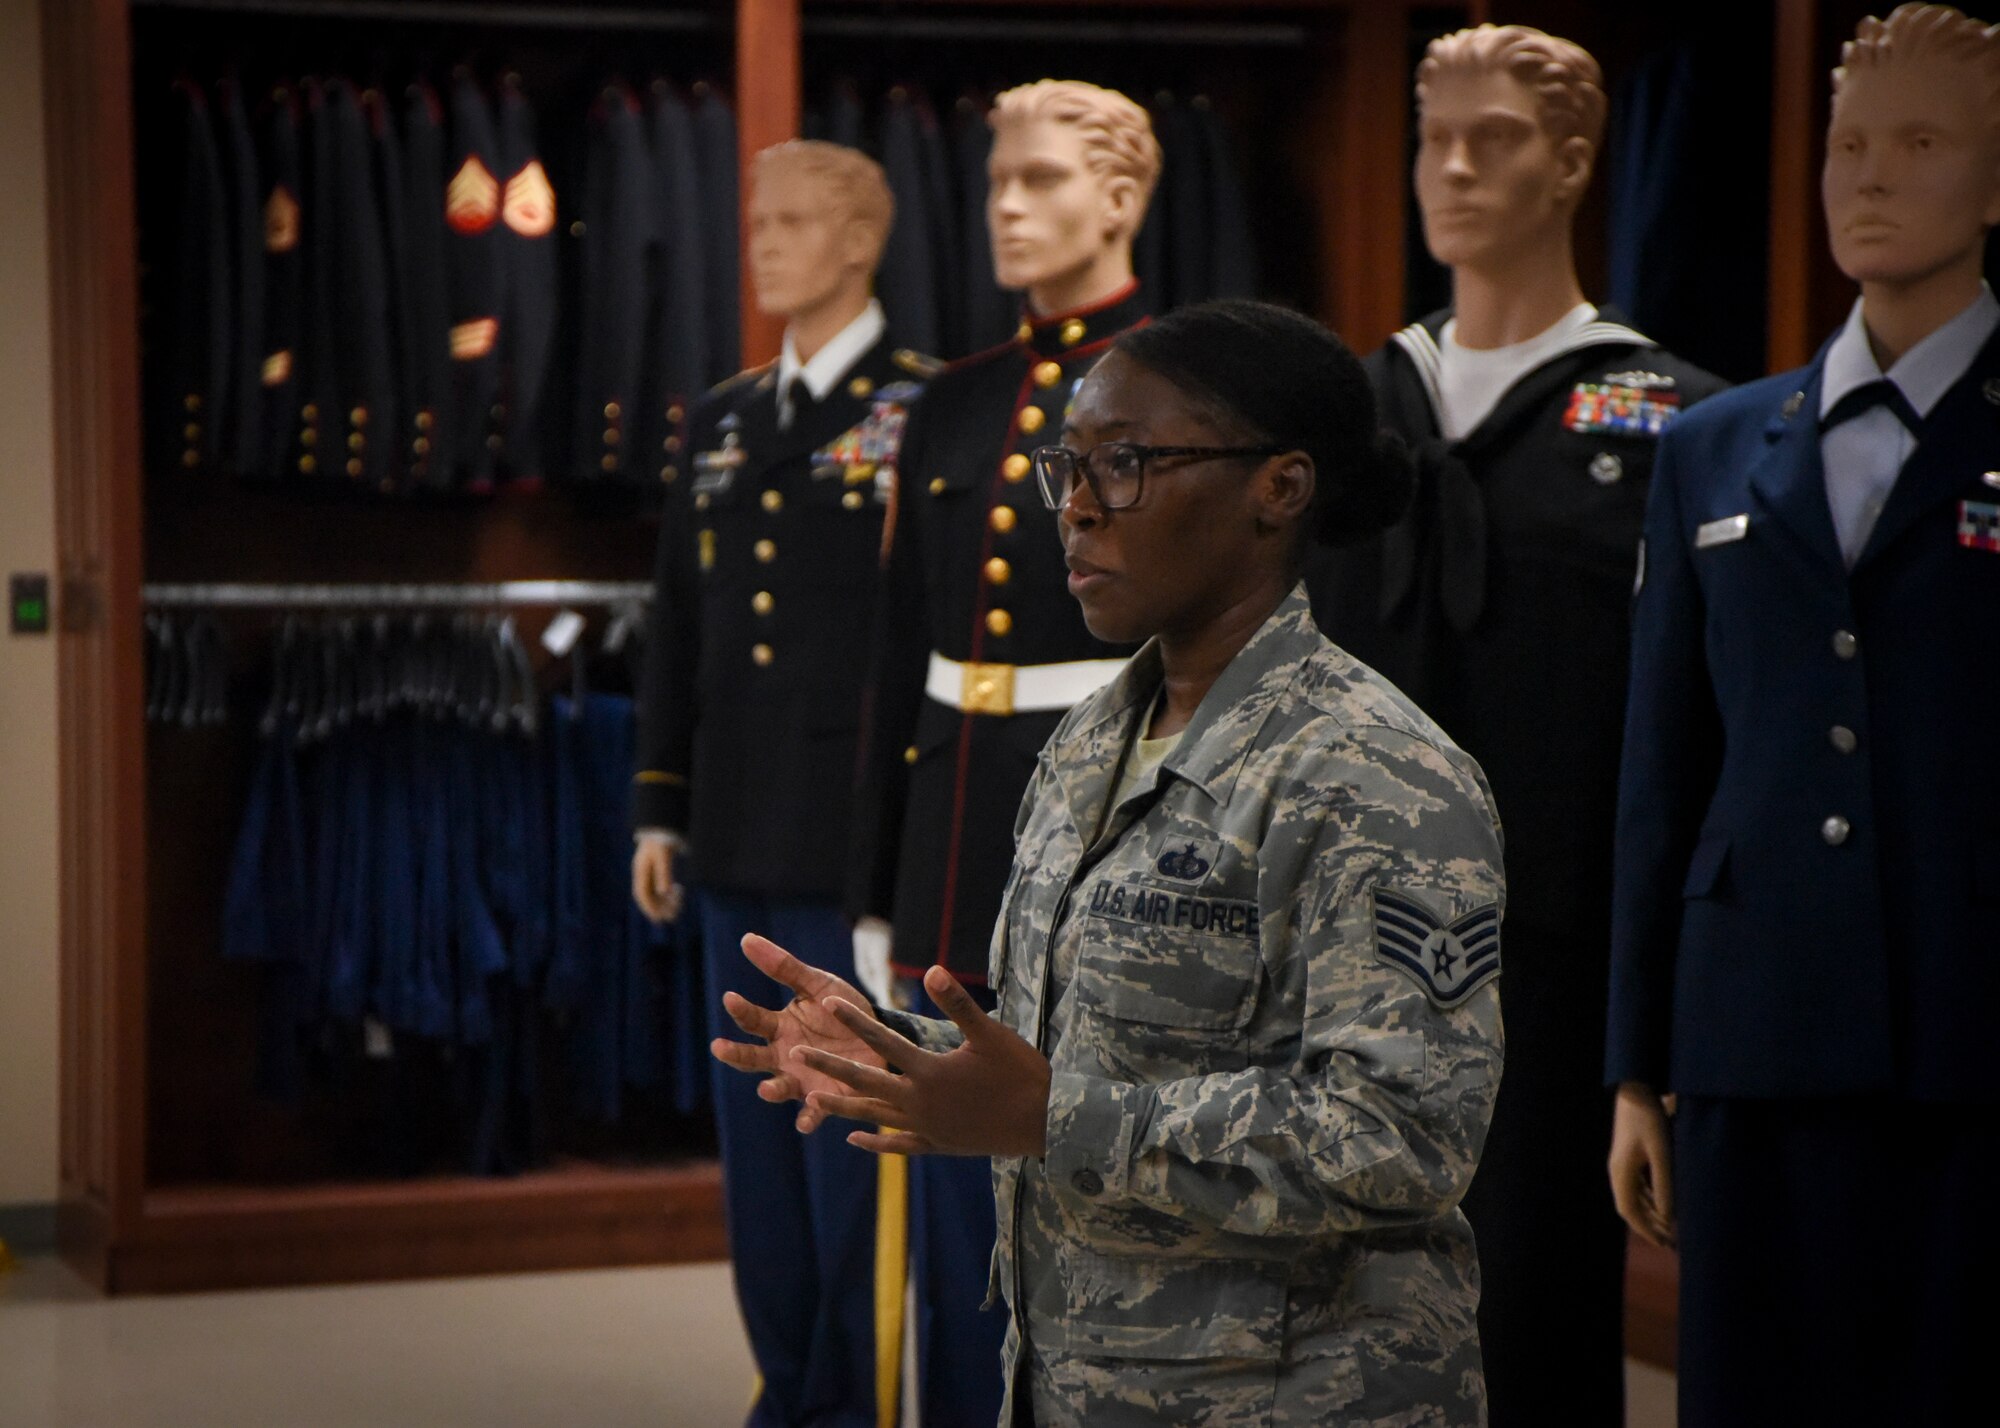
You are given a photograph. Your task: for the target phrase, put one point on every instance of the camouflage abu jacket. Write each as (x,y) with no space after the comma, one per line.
(1266,986)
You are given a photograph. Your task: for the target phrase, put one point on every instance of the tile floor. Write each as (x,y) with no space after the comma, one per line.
(607,1349)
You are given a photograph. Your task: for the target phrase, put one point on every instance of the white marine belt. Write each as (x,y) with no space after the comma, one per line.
(1017,688)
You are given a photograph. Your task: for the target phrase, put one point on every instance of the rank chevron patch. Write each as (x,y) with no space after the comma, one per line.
(1450,961)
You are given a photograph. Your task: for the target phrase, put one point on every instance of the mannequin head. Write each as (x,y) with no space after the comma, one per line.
(819,215)
(1071,170)
(1912,178)
(1509,120)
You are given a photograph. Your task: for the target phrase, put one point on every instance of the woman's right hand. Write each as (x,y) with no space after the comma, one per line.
(1642,1167)
(805,1020)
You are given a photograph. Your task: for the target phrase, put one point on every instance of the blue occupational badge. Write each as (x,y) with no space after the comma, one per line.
(904,392)
(731,421)
(1183,863)
(1450,961)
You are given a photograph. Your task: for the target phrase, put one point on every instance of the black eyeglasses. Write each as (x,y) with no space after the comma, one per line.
(1116,470)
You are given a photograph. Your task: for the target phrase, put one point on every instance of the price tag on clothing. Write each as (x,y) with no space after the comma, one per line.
(561,635)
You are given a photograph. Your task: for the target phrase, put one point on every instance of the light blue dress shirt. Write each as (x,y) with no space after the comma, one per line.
(1864,455)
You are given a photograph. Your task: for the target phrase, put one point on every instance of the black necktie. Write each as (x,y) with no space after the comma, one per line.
(1879,393)
(799,400)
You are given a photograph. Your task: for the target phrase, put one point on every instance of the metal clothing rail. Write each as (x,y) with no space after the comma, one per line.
(410,597)
(442,12)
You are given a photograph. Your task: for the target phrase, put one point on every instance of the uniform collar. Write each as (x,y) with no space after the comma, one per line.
(1419,342)
(1224,726)
(828,365)
(1924,373)
(1061,333)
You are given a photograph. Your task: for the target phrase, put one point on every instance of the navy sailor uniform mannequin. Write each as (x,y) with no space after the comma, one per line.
(769,566)
(1808,859)
(1500,604)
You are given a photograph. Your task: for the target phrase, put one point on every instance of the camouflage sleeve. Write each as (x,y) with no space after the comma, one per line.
(1381,881)
(929,1032)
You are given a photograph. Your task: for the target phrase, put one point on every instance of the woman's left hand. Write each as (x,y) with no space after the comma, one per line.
(988,1096)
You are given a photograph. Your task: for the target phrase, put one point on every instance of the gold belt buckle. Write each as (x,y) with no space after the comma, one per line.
(987,689)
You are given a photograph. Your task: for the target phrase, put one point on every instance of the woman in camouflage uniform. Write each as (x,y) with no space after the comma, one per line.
(1248,1034)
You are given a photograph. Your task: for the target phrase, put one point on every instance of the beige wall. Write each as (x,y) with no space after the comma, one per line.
(28,981)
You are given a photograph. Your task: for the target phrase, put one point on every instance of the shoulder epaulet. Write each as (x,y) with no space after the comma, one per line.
(916,363)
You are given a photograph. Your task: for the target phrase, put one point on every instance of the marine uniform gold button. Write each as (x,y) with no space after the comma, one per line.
(773,501)
(998,622)
(612,411)
(910,754)
(190,458)
(762,602)
(308,437)
(998,571)
(307,464)
(354,466)
(359,416)
(766,551)
(1024,331)
(1003,519)
(494,443)
(761,655)
(701,501)
(852,500)
(1048,374)
(1072,332)
(860,387)
(193,402)
(937,485)
(611,436)
(608,462)
(1016,467)
(424,421)
(421,445)
(191,431)
(1032,419)
(675,413)
(309,411)
(355,441)
(667,473)
(671,444)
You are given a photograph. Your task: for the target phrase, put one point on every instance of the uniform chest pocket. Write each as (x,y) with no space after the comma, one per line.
(1170,958)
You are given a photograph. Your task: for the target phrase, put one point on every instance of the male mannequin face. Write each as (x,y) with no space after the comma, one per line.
(1050,215)
(1911,184)
(1494,185)
(808,252)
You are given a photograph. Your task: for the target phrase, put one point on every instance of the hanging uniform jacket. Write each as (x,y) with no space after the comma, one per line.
(676,351)
(721,226)
(770,559)
(426,360)
(320,426)
(528,305)
(364,385)
(194,392)
(618,225)
(473,256)
(390,189)
(907,278)
(279,345)
(240,444)
(975,611)
(1232,251)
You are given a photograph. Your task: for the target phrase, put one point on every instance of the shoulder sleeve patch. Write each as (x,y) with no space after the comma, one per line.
(1450,961)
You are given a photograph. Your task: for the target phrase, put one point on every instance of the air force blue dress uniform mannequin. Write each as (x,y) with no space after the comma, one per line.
(1808,876)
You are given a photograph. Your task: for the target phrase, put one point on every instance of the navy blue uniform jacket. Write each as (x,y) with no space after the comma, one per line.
(1760,949)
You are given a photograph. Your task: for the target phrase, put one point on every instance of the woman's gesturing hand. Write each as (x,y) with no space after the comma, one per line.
(807,1020)
(987,1096)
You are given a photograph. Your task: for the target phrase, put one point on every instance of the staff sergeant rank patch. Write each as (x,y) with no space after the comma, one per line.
(1621,409)
(1449,961)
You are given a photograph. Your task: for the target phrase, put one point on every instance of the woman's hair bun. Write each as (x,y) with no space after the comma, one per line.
(1371,495)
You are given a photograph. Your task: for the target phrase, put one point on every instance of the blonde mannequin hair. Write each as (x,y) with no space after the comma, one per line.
(1567,84)
(1117,133)
(1919,32)
(856,179)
